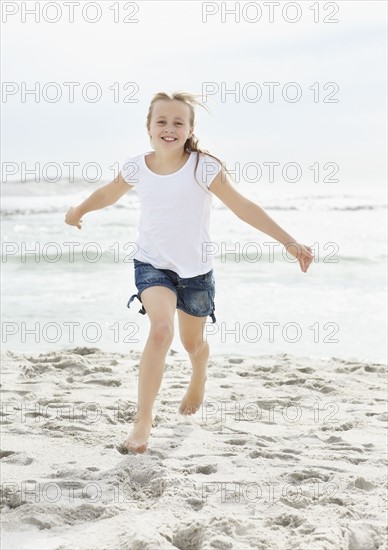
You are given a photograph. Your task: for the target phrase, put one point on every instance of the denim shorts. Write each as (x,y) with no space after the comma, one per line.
(195,295)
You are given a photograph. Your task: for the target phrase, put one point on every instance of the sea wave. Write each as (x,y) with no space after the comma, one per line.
(7,212)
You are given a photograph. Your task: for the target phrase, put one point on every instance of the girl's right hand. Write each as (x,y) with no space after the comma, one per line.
(73,217)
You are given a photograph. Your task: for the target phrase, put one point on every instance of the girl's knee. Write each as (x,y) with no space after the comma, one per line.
(161,332)
(194,346)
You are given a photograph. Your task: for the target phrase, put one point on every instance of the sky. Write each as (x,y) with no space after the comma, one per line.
(197,47)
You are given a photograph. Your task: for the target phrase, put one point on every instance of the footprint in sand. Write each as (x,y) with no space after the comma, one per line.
(17,392)
(362,483)
(342,428)
(286,520)
(21,459)
(306,370)
(206,469)
(237,441)
(304,475)
(193,532)
(195,504)
(3,454)
(104,382)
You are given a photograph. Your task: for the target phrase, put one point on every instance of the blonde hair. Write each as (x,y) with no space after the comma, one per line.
(192,143)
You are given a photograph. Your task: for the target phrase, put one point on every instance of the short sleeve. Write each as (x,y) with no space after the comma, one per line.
(208,168)
(130,170)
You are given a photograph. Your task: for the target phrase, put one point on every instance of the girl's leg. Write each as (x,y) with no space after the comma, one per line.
(191,334)
(160,304)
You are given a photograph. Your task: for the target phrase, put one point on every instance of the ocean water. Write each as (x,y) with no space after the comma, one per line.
(62,287)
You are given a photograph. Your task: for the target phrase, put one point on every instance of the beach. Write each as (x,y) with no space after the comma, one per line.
(286,452)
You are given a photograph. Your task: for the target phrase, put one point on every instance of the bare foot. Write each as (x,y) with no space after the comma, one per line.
(193,398)
(137,440)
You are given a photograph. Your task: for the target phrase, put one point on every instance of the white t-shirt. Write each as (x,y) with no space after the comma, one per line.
(173,230)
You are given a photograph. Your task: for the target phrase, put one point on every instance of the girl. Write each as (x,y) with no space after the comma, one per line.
(173,269)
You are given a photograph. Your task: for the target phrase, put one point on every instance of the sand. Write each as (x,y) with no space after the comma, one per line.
(286,452)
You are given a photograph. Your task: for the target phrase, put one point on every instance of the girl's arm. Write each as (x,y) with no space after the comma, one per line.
(104,196)
(255,216)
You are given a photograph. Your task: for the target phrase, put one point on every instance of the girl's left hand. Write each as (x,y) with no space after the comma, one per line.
(303,253)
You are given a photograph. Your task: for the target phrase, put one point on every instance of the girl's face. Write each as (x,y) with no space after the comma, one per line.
(170,119)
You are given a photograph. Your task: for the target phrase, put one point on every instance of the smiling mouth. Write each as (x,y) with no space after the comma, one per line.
(169,139)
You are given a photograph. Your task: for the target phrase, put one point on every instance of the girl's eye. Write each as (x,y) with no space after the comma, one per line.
(162,122)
